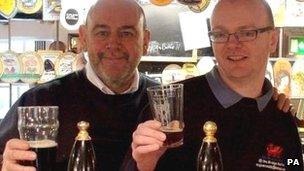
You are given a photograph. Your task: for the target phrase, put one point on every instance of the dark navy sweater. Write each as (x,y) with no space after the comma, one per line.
(246,136)
(112,118)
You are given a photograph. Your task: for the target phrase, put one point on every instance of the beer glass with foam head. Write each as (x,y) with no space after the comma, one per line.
(38,125)
(166,103)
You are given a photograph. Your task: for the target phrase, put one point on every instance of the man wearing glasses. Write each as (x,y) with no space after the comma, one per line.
(252,133)
(241,35)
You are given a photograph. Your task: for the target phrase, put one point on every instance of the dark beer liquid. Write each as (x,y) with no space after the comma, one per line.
(46,155)
(174,137)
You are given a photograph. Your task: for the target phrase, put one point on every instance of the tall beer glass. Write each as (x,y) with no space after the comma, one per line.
(38,125)
(166,102)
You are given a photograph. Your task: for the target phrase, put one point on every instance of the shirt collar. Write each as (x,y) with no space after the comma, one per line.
(227,97)
(94,79)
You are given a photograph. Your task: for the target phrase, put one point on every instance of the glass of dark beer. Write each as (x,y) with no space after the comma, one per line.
(38,125)
(166,103)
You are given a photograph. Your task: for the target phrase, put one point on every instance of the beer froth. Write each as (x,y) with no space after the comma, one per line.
(42,144)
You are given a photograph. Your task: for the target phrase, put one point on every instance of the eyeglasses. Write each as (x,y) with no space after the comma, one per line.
(241,36)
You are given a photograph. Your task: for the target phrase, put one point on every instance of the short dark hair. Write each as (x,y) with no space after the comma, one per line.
(139,8)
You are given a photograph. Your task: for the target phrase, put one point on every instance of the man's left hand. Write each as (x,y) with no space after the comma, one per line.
(283,102)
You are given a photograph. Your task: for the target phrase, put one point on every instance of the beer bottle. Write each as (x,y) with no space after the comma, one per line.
(209,157)
(82,157)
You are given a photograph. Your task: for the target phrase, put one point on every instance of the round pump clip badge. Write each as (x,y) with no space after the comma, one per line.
(199,7)
(29,6)
(11,67)
(32,67)
(71,18)
(64,64)
(161,2)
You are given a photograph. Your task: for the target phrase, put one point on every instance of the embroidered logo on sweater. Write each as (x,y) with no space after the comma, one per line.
(274,151)
(272,159)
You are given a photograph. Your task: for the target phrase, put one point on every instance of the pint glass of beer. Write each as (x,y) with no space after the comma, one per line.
(38,125)
(166,103)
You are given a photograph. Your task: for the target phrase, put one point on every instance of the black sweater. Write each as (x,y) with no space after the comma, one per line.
(244,133)
(112,118)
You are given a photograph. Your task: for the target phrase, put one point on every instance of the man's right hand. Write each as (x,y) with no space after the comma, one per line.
(17,150)
(147,145)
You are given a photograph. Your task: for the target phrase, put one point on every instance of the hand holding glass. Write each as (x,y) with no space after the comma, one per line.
(166,102)
(38,125)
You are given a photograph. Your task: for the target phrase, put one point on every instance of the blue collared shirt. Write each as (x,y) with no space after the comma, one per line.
(227,97)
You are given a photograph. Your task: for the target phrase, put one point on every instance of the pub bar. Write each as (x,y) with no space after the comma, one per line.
(106,85)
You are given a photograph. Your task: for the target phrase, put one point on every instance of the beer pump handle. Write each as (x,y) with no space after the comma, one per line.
(209,156)
(82,157)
